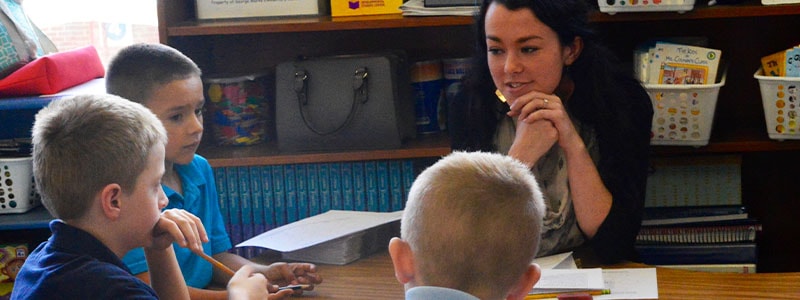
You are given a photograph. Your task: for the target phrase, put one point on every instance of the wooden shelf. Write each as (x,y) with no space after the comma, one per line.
(36,218)
(268,154)
(187,25)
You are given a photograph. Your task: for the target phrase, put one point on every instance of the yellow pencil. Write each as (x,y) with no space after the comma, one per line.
(216,263)
(555,295)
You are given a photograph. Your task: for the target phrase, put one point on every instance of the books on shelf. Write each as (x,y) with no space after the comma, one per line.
(685,254)
(692,214)
(733,231)
(784,63)
(743,268)
(675,63)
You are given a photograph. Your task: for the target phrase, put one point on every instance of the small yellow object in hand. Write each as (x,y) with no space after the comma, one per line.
(500,96)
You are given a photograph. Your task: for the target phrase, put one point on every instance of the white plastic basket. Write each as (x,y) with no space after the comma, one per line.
(683,114)
(781,99)
(614,6)
(17,191)
(775,2)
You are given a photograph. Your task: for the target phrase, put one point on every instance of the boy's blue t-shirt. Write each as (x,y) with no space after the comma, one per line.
(201,199)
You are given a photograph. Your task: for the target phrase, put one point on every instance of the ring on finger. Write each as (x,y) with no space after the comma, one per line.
(545,102)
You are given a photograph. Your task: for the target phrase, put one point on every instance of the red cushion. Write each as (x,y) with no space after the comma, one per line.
(53,73)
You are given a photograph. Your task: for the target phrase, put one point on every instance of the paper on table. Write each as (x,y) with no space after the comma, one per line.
(556,261)
(557,280)
(633,283)
(320,228)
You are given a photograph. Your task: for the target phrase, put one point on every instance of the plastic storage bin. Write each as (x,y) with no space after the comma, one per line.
(780,96)
(17,191)
(614,6)
(683,114)
(238,109)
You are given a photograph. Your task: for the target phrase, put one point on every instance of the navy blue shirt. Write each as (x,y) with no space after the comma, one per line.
(73,264)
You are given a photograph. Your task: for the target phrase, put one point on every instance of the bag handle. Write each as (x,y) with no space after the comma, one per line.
(360,95)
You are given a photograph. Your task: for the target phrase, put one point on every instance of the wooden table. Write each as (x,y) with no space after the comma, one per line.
(373,278)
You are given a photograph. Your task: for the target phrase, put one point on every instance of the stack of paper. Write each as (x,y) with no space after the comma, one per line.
(334,237)
(417,8)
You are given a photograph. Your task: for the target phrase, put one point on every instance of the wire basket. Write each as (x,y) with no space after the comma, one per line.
(614,6)
(17,191)
(780,96)
(683,114)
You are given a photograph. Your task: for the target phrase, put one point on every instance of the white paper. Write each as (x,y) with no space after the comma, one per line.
(556,261)
(633,283)
(320,228)
(569,279)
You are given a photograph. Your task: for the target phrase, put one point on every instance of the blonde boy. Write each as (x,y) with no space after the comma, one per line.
(98,162)
(470,230)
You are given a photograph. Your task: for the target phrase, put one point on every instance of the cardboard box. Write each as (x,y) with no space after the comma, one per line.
(341,8)
(228,9)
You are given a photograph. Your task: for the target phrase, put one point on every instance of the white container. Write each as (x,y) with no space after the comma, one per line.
(780,96)
(614,6)
(227,9)
(683,113)
(775,2)
(17,191)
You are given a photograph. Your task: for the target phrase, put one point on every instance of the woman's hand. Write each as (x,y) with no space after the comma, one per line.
(535,106)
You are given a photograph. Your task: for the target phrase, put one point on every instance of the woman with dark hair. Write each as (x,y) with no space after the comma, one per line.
(573,115)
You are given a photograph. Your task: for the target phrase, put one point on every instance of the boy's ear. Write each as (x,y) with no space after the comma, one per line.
(525,283)
(111,200)
(402,259)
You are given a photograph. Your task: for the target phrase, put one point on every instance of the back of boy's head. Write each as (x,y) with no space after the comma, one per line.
(83,143)
(473,221)
(138,70)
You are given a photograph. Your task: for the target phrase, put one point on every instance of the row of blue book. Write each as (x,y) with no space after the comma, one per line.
(255,199)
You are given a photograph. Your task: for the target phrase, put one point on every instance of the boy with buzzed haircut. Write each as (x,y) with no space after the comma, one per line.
(97,163)
(470,230)
(169,84)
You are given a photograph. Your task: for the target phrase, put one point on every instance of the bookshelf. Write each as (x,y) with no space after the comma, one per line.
(744,32)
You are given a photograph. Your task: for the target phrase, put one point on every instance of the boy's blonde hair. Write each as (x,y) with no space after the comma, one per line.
(473,221)
(139,69)
(83,143)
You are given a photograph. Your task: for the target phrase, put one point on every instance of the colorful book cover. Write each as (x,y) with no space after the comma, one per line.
(245,202)
(324,187)
(335,185)
(269,206)
(222,192)
(359,186)
(382,176)
(257,195)
(313,189)
(408,176)
(396,185)
(234,208)
(793,62)
(302,193)
(348,200)
(370,176)
(774,64)
(290,189)
(684,64)
(278,195)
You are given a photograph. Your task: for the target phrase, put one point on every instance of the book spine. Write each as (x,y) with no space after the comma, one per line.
(359,187)
(302,192)
(269,203)
(313,189)
(348,202)
(324,187)
(408,177)
(717,268)
(245,204)
(396,185)
(257,195)
(370,175)
(382,176)
(339,185)
(290,189)
(222,192)
(235,209)
(278,195)
(697,254)
(700,234)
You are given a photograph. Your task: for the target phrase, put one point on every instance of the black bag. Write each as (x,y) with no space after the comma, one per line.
(348,102)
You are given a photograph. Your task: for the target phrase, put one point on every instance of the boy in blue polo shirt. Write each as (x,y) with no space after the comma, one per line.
(169,84)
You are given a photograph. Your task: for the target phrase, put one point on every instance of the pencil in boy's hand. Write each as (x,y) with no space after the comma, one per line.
(215,263)
(589,293)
